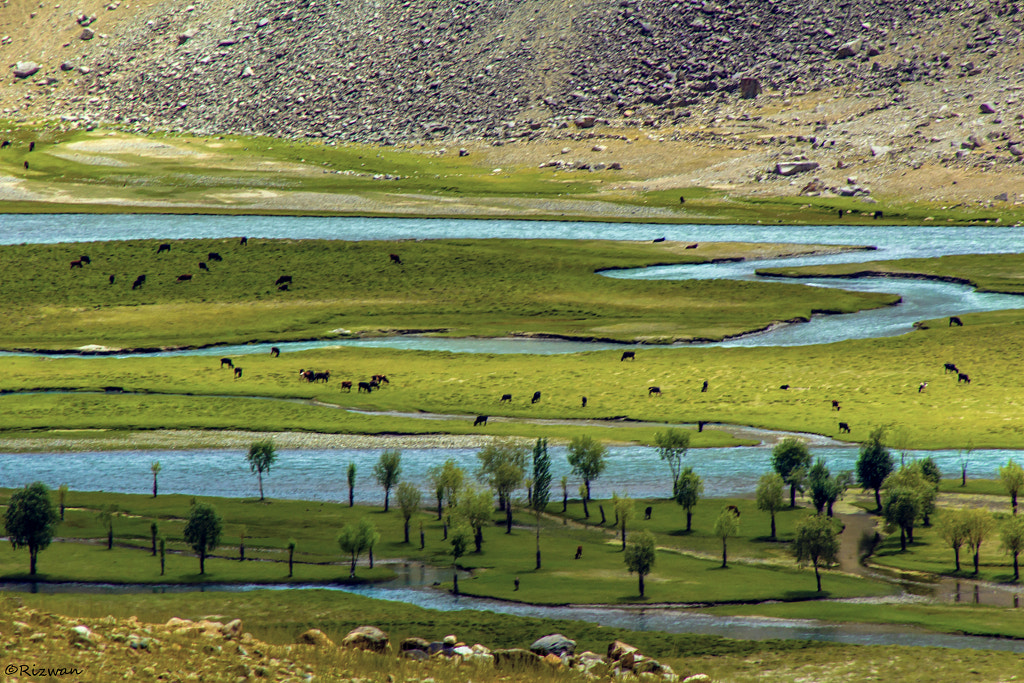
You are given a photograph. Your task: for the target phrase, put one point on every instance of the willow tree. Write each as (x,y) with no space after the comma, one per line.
(817,542)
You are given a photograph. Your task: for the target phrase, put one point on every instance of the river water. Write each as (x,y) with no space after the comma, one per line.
(319,474)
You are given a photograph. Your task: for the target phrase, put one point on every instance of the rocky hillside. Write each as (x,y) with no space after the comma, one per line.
(391,70)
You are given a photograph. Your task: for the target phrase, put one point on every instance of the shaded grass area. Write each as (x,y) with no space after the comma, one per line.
(341,288)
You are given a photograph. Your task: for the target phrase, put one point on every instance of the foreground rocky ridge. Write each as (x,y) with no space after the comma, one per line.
(391,71)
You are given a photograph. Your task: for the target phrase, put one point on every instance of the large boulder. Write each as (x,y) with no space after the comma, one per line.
(366,638)
(849,49)
(516,658)
(315,637)
(554,644)
(618,649)
(413,643)
(25,69)
(788,168)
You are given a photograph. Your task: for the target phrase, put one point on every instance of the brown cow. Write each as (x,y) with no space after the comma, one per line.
(184,278)
(347,386)
(275,352)
(77,263)
(238,372)
(244,241)
(395,259)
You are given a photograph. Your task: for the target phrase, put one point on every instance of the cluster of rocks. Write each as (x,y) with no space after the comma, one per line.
(383,72)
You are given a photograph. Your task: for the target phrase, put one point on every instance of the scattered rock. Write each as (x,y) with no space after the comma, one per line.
(25,69)
(86,34)
(788,168)
(849,49)
(315,636)
(987,108)
(554,644)
(585,121)
(366,638)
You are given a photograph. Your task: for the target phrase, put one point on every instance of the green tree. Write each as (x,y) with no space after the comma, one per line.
(62,497)
(769,495)
(625,510)
(351,484)
(202,531)
(817,542)
(1012,476)
(587,459)
(930,470)
(30,521)
(409,501)
(874,464)
(727,524)
(902,508)
(370,538)
(356,538)
(979,525)
(1013,541)
(106,518)
(818,480)
(387,471)
(791,459)
(503,466)
(475,507)
(447,480)
(155,469)
(291,555)
(541,484)
(262,455)
(953,527)
(672,445)
(640,555)
(689,488)
(459,539)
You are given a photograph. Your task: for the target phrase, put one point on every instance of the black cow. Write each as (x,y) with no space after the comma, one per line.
(202,266)
(583,402)
(506,398)
(324,376)
(700,425)
(184,278)
(955,321)
(962,377)
(6,143)
(784,387)
(651,391)
(238,372)
(704,389)
(628,355)
(647,512)
(877,215)
(579,552)
(139,281)
(835,404)
(395,258)
(480,420)
(227,362)
(843,427)
(213,256)
(693,246)
(85,259)
(163,247)
(25,164)
(111,279)
(364,386)
(283,279)
(536,397)
(921,387)
(31,146)
(658,239)
(275,352)
(283,288)
(951,367)
(840,213)
(244,241)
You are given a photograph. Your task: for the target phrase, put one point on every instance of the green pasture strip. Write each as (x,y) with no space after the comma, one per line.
(986,272)
(488,288)
(974,487)
(876,382)
(975,620)
(280,616)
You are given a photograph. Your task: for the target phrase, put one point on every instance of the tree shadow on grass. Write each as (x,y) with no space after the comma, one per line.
(681,532)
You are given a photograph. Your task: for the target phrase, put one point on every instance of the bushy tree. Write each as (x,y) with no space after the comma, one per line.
(902,508)
(202,531)
(640,555)
(874,464)
(409,502)
(447,480)
(727,524)
(979,525)
(791,459)
(262,455)
(503,466)
(769,495)
(672,445)
(1012,534)
(354,539)
(541,484)
(475,508)
(817,542)
(689,488)
(1012,476)
(387,472)
(587,459)
(953,527)
(30,521)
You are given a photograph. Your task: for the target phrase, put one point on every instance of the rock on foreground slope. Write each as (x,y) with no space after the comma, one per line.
(386,71)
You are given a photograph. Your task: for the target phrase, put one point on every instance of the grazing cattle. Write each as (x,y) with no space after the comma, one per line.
(693,246)
(877,215)
(955,321)
(238,372)
(25,165)
(213,256)
(843,427)
(184,278)
(227,362)
(536,397)
(579,552)
(700,425)
(962,377)
(283,288)
(733,509)
(347,386)
(784,387)
(111,278)
(682,199)
(480,420)
(85,259)
(583,402)
(364,386)
(163,247)
(306,375)
(139,281)
(77,263)
(840,213)
(324,377)
(647,512)
(651,391)
(835,404)
(31,146)
(374,384)
(283,279)
(395,258)
(202,266)
(506,398)
(704,388)
(658,239)
(380,379)
(921,387)
(628,355)
(274,352)
(6,143)
(244,241)
(951,367)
